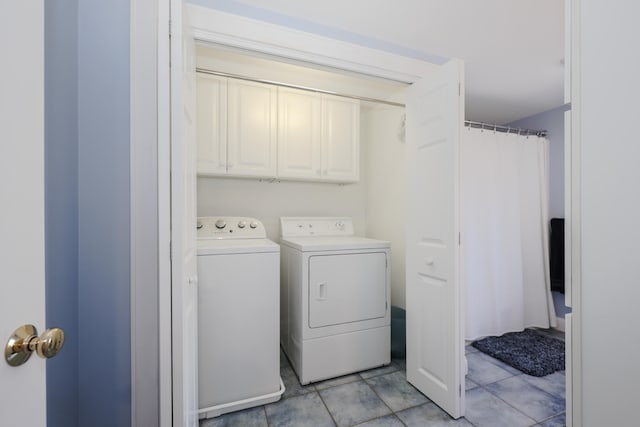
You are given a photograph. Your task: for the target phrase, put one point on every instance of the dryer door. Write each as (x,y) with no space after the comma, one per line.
(347,288)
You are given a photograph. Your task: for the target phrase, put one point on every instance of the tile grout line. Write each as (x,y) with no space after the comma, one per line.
(266,416)
(327,408)
(381,400)
(508,404)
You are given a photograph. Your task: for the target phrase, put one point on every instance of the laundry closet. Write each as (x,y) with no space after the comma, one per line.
(355,168)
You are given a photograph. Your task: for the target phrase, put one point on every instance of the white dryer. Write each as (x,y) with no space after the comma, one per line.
(238,306)
(334,298)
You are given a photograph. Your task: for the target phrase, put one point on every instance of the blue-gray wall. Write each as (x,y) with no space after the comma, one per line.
(87,211)
(104,319)
(61,205)
(553,122)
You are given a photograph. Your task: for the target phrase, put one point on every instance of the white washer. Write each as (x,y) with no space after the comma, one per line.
(334,298)
(238,305)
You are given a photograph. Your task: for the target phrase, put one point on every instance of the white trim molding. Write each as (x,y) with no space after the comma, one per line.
(144,214)
(210,25)
(573,217)
(150,224)
(164,214)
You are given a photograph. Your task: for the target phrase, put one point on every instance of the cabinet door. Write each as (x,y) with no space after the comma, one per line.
(211,124)
(340,139)
(251,131)
(299,138)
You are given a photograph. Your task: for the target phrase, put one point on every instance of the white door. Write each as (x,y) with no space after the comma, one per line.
(435,339)
(183,222)
(22,296)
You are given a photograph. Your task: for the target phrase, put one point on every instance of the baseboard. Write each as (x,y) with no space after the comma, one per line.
(560,324)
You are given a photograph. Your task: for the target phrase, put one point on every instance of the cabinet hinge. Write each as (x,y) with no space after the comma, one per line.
(169,28)
(459,239)
(459,89)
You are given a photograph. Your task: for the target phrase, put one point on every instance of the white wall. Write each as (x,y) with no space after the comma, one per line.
(610,204)
(268,201)
(383,167)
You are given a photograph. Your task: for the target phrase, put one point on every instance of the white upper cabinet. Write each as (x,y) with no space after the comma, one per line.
(318,137)
(211,120)
(236,127)
(251,130)
(299,134)
(340,139)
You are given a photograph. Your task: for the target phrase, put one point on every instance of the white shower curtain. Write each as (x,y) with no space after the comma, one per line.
(504,192)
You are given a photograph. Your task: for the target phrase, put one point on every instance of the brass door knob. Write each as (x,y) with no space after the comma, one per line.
(25,340)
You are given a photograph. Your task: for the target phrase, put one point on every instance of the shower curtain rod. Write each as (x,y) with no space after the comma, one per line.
(292,86)
(505,129)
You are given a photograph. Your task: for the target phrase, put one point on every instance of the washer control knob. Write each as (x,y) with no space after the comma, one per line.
(220,224)
(340,225)
(253,224)
(242,224)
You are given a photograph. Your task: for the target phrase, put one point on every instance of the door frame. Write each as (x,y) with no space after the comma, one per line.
(151,378)
(573,213)
(236,31)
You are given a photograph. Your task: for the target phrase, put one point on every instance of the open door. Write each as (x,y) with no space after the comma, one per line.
(435,338)
(184,310)
(22,291)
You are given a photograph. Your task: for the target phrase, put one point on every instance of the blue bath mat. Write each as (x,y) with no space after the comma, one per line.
(528,351)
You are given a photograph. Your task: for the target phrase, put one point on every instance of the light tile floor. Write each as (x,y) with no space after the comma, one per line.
(497,395)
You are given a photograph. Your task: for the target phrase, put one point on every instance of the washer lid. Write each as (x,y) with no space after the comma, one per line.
(235,246)
(333,243)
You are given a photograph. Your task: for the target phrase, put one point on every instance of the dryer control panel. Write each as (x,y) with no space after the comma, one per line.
(316,226)
(230,227)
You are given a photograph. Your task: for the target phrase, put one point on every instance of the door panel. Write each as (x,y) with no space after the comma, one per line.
(252,129)
(347,288)
(212,124)
(340,139)
(22,291)
(435,347)
(299,137)
(183,222)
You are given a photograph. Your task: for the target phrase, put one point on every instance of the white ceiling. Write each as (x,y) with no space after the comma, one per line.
(513,49)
